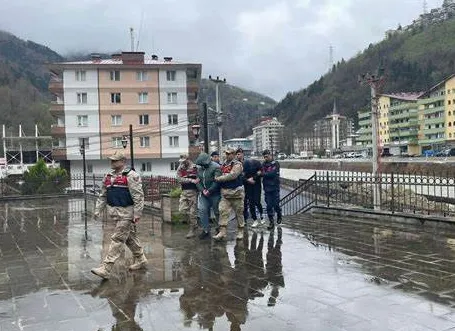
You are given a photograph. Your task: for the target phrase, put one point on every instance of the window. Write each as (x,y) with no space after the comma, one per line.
(172,97)
(82,98)
(85,141)
(143,97)
(141,76)
(117,142)
(174,166)
(147,166)
(115,75)
(116,98)
(90,168)
(82,120)
(116,120)
(80,75)
(144,141)
(174,141)
(144,119)
(170,76)
(173,119)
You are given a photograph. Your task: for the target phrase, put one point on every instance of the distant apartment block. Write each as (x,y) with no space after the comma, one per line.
(244,143)
(95,101)
(268,134)
(411,123)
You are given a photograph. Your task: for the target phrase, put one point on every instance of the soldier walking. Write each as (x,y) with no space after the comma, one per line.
(232,194)
(123,197)
(187,176)
(271,183)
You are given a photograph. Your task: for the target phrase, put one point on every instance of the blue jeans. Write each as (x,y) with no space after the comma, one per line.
(205,204)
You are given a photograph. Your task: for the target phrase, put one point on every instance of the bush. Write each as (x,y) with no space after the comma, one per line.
(40,179)
(175,192)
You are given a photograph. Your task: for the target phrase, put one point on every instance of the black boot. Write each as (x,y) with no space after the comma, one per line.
(204,235)
(271,224)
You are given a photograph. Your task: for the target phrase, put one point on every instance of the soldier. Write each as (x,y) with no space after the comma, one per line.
(232,194)
(271,183)
(187,176)
(123,196)
(252,185)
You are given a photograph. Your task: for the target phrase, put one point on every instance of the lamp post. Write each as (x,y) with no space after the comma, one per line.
(82,151)
(219,121)
(125,144)
(196,129)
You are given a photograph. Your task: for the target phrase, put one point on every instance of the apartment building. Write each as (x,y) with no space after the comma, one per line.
(96,101)
(268,134)
(411,123)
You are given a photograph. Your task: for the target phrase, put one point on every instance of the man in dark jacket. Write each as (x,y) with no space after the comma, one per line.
(271,183)
(209,192)
(252,185)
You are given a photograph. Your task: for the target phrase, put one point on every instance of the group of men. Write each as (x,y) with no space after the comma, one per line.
(233,186)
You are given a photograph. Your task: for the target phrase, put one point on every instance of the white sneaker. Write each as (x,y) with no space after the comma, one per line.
(255,224)
(262,222)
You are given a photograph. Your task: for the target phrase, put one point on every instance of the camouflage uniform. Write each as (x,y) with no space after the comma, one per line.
(123,197)
(187,176)
(232,196)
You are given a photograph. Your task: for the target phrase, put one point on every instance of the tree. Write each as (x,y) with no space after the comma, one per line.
(40,179)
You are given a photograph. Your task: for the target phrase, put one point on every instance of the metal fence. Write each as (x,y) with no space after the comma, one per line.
(417,193)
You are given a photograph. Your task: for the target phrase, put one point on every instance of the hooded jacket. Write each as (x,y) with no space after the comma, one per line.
(207,172)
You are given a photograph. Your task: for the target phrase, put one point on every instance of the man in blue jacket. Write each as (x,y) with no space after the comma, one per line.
(271,183)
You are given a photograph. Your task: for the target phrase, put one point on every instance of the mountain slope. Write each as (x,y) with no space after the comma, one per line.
(241,109)
(413,61)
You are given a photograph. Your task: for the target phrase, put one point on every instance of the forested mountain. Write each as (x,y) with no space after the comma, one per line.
(413,60)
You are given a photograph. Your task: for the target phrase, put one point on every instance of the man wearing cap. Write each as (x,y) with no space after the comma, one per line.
(215,156)
(252,185)
(271,183)
(232,194)
(187,176)
(123,197)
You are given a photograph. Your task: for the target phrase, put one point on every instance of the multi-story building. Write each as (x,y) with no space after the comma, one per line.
(411,123)
(244,143)
(96,101)
(268,134)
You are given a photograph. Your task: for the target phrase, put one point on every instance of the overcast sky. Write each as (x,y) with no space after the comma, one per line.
(269,46)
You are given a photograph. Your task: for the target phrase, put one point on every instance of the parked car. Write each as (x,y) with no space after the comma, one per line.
(281,156)
(446,152)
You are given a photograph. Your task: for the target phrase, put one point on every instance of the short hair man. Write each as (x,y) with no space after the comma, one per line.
(271,183)
(215,156)
(123,197)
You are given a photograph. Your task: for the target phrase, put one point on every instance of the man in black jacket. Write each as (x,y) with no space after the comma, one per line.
(252,185)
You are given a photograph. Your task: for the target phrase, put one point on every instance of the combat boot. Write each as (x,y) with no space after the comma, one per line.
(103,271)
(239,234)
(271,224)
(138,263)
(221,235)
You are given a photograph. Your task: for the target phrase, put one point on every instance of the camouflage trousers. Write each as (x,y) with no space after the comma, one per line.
(232,200)
(188,206)
(124,234)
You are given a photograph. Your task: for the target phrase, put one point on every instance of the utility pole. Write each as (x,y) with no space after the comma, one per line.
(84,170)
(375,81)
(132,39)
(219,119)
(271,146)
(206,127)
(131,147)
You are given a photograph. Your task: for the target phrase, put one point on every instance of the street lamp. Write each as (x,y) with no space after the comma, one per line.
(196,129)
(125,144)
(217,82)
(82,151)
(125,141)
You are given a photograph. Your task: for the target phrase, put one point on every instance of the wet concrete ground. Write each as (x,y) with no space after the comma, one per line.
(313,274)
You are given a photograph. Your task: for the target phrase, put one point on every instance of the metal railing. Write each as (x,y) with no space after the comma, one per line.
(411,193)
(301,197)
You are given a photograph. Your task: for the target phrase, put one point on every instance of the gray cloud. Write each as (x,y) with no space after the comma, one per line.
(270,46)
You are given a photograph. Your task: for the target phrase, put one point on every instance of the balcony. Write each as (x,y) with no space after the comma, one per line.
(433,110)
(365,122)
(365,115)
(59,153)
(426,101)
(56,85)
(403,115)
(56,108)
(434,131)
(57,130)
(435,120)
(431,141)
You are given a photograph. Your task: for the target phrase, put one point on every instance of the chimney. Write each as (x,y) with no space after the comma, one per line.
(133,57)
(155,57)
(95,57)
(117,56)
(167,59)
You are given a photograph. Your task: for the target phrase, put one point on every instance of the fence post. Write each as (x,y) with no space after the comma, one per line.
(328,189)
(392,201)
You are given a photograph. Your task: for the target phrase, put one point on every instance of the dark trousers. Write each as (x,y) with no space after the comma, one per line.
(272,199)
(252,200)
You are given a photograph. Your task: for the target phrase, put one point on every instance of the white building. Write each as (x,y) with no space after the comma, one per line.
(267,135)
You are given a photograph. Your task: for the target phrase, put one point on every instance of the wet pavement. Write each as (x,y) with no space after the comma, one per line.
(311,274)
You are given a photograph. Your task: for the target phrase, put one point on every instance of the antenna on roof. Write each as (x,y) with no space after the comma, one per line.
(425,7)
(140,30)
(330,57)
(132,39)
